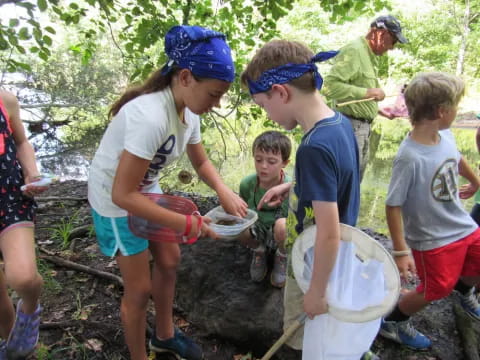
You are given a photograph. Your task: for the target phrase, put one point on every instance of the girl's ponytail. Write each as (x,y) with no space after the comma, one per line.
(155,82)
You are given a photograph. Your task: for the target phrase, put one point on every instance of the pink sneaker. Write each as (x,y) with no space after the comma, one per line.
(24,336)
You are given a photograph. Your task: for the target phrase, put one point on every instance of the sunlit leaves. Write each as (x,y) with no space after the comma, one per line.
(146,21)
(342,10)
(42,5)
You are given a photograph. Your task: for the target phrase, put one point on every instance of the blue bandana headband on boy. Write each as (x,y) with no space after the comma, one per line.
(204,52)
(288,72)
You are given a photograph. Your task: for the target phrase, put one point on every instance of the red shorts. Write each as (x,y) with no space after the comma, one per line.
(439,269)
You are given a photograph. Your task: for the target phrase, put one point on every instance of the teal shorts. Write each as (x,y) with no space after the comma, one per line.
(113,235)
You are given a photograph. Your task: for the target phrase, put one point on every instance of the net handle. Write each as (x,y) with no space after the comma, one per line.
(297,323)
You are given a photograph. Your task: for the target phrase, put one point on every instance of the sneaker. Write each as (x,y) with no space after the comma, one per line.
(258,266)
(469,303)
(279,272)
(24,335)
(180,346)
(369,355)
(404,333)
(3,350)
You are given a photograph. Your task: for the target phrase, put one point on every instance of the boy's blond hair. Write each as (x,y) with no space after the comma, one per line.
(427,92)
(276,53)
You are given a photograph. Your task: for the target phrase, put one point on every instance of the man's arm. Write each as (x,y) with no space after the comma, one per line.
(326,248)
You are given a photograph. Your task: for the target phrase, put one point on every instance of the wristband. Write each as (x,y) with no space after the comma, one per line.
(399,253)
(188,225)
(191,240)
(199,225)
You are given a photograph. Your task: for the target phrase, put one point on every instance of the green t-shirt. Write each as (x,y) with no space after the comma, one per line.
(252,193)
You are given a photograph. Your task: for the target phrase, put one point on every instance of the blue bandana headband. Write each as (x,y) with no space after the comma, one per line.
(204,52)
(285,73)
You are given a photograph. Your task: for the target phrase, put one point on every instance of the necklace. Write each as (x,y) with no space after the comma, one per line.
(255,189)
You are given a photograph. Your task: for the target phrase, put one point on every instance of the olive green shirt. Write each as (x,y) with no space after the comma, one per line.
(353,72)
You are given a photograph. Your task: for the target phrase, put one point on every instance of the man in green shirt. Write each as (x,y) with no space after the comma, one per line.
(353,76)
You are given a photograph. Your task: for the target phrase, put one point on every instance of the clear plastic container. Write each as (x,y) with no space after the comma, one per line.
(156,232)
(228,226)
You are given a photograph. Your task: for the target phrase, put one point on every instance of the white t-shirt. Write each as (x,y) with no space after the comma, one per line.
(148,127)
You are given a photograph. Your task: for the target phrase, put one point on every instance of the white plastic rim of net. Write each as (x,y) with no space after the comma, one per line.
(364,284)
(230,232)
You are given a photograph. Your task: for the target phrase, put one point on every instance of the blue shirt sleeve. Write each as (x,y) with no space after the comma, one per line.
(316,174)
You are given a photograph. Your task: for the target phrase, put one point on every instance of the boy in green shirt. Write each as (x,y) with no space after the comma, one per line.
(271,151)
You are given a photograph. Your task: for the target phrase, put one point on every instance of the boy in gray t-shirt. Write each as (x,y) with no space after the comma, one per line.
(423,194)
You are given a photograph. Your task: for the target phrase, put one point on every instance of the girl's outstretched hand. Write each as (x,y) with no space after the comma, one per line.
(231,202)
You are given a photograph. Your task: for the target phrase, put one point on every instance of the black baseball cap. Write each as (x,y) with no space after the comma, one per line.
(390,23)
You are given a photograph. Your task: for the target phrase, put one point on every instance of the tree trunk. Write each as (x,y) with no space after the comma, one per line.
(464,38)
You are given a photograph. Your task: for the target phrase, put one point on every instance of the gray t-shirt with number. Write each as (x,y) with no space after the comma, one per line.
(425,185)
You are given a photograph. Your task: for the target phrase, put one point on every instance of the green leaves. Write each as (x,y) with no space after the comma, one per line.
(42,5)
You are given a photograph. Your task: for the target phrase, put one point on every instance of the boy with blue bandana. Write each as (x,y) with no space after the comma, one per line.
(152,126)
(283,79)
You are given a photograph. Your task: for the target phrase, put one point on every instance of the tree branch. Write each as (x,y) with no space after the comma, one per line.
(78,323)
(467,333)
(186,12)
(5,2)
(79,267)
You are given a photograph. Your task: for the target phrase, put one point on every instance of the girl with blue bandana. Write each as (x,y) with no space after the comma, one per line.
(283,79)
(152,126)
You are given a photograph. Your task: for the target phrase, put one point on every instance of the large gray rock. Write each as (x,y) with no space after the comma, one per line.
(215,290)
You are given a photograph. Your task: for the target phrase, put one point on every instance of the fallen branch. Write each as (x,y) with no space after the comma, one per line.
(78,323)
(79,267)
(467,332)
(80,231)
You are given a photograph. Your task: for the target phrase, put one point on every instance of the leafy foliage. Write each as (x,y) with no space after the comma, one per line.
(117,42)
(22,31)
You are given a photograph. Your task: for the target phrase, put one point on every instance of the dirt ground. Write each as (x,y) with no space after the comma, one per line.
(81,310)
(80,318)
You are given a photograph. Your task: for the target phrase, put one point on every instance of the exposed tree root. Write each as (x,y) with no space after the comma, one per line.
(468,334)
